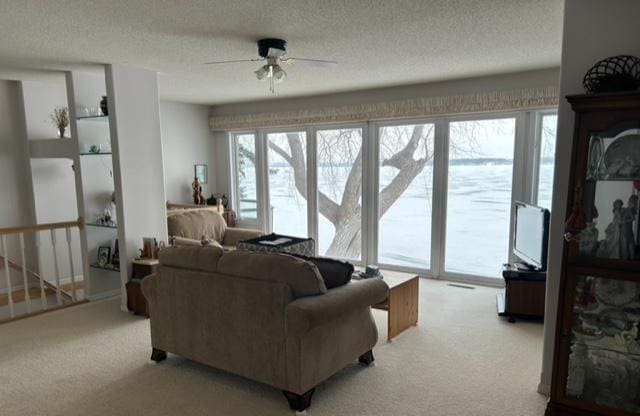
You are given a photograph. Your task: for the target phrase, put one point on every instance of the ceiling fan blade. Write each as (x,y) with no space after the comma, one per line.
(317,62)
(233,61)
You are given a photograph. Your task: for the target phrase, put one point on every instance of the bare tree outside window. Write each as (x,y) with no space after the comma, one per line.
(408,151)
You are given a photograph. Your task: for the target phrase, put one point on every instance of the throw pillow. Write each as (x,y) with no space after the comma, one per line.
(334,272)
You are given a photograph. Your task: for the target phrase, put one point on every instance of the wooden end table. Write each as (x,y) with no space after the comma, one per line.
(402,303)
(136,302)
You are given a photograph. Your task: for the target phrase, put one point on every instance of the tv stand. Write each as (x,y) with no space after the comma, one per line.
(524,293)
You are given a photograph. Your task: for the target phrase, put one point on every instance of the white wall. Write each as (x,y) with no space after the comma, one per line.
(16,203)
(186,141)
(593,30)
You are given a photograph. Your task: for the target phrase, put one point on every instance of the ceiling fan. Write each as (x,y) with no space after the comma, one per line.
(274,52)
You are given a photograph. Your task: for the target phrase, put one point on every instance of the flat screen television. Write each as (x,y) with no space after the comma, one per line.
(531,236)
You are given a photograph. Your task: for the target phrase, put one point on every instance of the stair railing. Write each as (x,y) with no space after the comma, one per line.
(8,265)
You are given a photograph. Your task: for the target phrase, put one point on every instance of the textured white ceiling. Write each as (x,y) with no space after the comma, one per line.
(377,43)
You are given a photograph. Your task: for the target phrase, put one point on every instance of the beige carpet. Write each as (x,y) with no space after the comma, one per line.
(93,359)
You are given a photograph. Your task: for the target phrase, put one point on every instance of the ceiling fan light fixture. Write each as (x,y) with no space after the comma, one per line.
(279,74)
(262,72)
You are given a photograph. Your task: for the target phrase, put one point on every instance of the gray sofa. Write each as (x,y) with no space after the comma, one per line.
(264,316)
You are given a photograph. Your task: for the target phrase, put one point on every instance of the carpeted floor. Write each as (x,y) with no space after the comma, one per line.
(93,359)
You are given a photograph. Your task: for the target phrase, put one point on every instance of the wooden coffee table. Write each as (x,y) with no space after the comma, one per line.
(402,303)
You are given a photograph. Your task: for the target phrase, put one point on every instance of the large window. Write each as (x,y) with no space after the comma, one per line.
(246,176)
(479,195)
(339,164)
(404,195)
(547,131)
(287,160)
(380,195)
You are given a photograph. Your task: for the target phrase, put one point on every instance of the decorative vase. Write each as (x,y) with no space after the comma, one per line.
(103,106)
(61,131)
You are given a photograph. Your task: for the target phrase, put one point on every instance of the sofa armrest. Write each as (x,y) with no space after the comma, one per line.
(306,313)
(233,235)
(148,286)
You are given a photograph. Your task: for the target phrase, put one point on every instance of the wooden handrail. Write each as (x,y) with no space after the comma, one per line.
(40,227)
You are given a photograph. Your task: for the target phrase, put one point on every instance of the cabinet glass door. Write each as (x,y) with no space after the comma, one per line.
(611,194)
(604,351)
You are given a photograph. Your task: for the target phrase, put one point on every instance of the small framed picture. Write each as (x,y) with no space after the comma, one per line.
(202,173)
(104,253)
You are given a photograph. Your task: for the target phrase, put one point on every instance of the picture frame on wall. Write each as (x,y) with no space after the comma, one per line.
(201,172)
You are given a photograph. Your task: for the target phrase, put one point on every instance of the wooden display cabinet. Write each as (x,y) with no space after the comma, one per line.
(596,368)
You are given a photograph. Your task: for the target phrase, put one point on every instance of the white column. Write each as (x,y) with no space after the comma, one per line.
(134,120)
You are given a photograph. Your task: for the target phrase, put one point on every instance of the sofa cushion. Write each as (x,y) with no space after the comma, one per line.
(192,257)
(196,224)
(301,276)
(334,272)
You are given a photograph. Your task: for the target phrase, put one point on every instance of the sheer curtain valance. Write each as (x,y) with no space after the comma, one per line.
(499,101)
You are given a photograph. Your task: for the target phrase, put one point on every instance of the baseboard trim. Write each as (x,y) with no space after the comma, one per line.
(544,389)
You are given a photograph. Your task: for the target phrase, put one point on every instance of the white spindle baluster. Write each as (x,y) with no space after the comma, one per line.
(73,278)
(56,268)
(43,294)
(25,283)
(3,240)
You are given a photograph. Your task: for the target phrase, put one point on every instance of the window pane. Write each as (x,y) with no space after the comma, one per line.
(479,196)
(287,155)
(547,154)
(406,178)
(339,192)
(246,170)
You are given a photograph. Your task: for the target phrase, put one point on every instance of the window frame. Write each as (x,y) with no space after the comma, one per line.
(516,188)
(374,185)
(234,179)
(537,152)
(364,220)
(310,192)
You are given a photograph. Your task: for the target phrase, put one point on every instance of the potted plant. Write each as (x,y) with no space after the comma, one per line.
(60,119)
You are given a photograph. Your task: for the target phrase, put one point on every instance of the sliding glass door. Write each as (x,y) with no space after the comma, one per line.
(479,196)
(405,166)
(246,186)
(287,173)
(547,145)
(339,184)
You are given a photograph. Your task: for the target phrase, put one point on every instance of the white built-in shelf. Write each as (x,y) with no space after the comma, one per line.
(93,224)
(95,154)
(52,148)
(101,118)
(108,268)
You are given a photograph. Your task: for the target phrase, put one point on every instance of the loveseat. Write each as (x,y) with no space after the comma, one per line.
(190,226)
(268,317)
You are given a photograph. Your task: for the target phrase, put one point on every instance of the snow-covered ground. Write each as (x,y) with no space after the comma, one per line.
(478,209)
